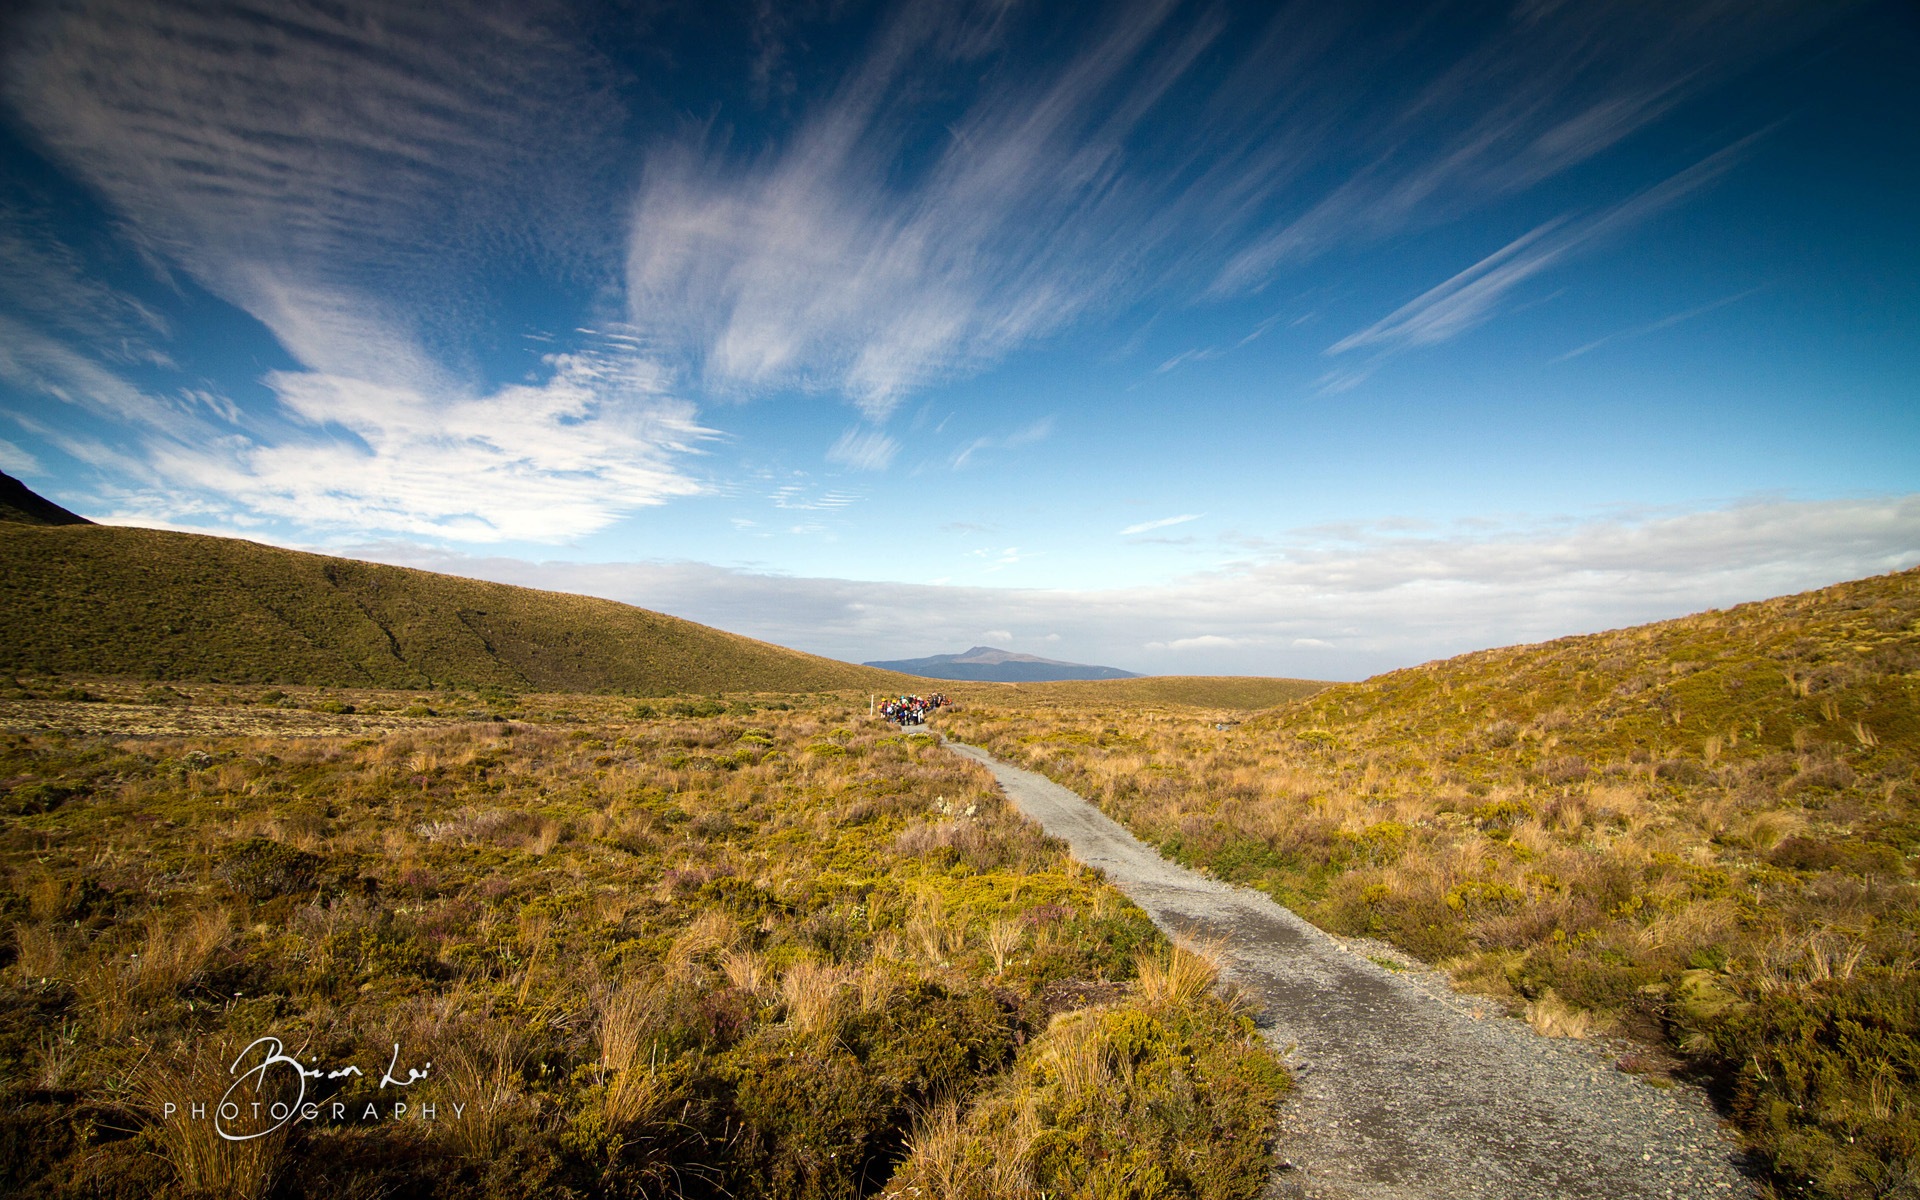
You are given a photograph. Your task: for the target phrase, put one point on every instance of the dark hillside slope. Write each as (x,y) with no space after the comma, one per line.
(21,504)
(103,600)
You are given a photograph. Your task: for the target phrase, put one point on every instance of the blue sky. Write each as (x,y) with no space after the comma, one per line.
(1280,338)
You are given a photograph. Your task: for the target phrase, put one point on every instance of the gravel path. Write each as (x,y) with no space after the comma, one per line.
(1406,1089)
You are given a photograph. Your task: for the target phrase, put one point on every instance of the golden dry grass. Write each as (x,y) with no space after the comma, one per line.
(653,955)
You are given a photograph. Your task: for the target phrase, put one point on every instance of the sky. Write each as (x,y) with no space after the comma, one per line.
(1201,338)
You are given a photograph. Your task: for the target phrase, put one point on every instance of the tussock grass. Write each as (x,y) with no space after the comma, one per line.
(203,1162)
(1177,979)
(675,955)
(1099,1103)
(1702,834)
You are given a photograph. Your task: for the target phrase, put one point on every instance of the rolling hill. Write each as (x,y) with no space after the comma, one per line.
(85,599)
(991,665)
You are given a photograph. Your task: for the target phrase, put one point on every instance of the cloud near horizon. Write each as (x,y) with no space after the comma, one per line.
(1329,604)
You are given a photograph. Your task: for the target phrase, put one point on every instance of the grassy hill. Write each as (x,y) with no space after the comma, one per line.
(1702,833)
(99,600)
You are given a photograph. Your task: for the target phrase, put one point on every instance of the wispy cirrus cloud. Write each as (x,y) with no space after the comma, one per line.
(39,363)
(1552,87)
(1473,296)
(1037,431)
(365,178)
(541,462)
(863,449)
(872,253)
(1666,322)
(800,496)
(302,161)
(347,175)
(810,268)
(15,461)
(1162,523)
(51,285)
(546,461)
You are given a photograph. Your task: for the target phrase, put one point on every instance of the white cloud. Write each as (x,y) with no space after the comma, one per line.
(1552,89)
(15,461)
(52,285)
(299,160)
(1332,605)
(998,560)
(37,363)
(996,635)
(1162,523)
(816,266)
(1207,353)
(343,174)
(799,496)
(1666,322)
(1206,641)
(863,449)
(547,463)
(1472,297)
(1038,431)
(849,257)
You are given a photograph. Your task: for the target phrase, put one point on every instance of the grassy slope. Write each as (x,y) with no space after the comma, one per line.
(1702,832)
(99,600)
(1240,693)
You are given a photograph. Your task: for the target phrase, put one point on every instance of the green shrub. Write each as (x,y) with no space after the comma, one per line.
(260,869)
(25,799)
(1822,1072)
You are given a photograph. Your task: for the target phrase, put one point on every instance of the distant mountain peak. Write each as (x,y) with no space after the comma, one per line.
(990,664)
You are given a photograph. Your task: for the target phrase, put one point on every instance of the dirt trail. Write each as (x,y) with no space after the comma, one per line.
(1405,1089)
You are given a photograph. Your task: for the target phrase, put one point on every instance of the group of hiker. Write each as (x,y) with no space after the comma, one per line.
(911,710)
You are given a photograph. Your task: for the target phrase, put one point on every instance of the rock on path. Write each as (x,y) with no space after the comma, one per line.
(1403,1092)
